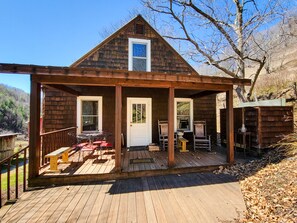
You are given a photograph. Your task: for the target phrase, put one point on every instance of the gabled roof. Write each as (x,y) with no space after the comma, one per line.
(114,35)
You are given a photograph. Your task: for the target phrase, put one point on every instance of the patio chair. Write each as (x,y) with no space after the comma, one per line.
(163,134)
(200,137)
(85,144)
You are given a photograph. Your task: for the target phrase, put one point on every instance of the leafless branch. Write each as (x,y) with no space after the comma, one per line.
(229,35)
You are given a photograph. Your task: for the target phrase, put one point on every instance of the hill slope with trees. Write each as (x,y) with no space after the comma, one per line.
(14,110)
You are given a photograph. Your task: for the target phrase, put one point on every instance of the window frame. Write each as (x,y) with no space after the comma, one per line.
(79,110)
(191,113)
(148,52)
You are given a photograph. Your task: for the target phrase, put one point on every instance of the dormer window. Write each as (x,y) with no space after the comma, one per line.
(139,55)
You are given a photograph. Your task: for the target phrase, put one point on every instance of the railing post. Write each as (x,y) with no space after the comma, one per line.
(25,169)
(8,179)
(17,176)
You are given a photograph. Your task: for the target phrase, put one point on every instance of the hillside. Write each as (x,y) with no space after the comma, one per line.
(14,109)
(278,78)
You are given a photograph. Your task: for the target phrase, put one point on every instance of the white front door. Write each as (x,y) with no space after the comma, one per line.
(139,121)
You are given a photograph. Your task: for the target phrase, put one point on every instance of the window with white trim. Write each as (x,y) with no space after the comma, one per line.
(183,113)
(139,55)
(89,113)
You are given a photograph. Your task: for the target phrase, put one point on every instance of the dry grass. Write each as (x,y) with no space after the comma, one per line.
(288,145)
(274,83)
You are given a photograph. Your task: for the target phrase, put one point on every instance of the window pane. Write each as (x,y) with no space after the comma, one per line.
(183,108)
(183,122)
(143,118)
(134,113)
(183,115)
(89,107)
(139,50)
(139,64)
(138,113)
(89,123)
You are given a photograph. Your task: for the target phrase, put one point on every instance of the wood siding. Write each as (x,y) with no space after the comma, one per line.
(205,110)
(267,124)
(113,53)
(58,110)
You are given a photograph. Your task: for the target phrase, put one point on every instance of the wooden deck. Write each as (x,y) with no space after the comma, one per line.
(196,197)
(102,162)
(100,166)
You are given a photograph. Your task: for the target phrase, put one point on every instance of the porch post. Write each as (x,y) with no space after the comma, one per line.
(230,126)
(118,127)
(34,128)
(171,161)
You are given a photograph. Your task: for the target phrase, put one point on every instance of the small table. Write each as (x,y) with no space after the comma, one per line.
(182,143)
(92,145)
(243,136)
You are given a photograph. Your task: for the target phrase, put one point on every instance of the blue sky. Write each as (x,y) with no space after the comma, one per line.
(54,32)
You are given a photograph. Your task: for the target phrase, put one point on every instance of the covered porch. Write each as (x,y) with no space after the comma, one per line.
(64,78)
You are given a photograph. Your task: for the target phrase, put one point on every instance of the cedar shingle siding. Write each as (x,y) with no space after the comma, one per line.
(58,110)
(114,53)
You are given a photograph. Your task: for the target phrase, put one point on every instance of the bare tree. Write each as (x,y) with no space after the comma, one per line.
(229,35)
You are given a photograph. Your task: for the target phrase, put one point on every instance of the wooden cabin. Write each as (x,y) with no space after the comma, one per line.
(128,82)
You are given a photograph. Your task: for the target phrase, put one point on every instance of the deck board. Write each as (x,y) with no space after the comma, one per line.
(132,209)
(86,210)
(196,197)
(45,206)
(94,214)
(102,162)
(81,204)
(160,213)
(64,205)
(114,209)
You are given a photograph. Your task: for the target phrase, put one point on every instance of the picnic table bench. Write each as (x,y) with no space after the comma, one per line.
(54,156)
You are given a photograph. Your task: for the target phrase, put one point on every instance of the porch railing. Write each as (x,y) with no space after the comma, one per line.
(50,141)
(13,173)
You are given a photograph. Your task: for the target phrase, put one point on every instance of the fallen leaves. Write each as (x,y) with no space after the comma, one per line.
(269,187)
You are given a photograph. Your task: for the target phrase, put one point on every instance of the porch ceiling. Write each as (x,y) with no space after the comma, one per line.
(81,91)
(105,77)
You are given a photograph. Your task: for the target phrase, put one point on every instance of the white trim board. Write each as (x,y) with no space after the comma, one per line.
(191,112)
(147,101)
(148,53)
(79,110)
